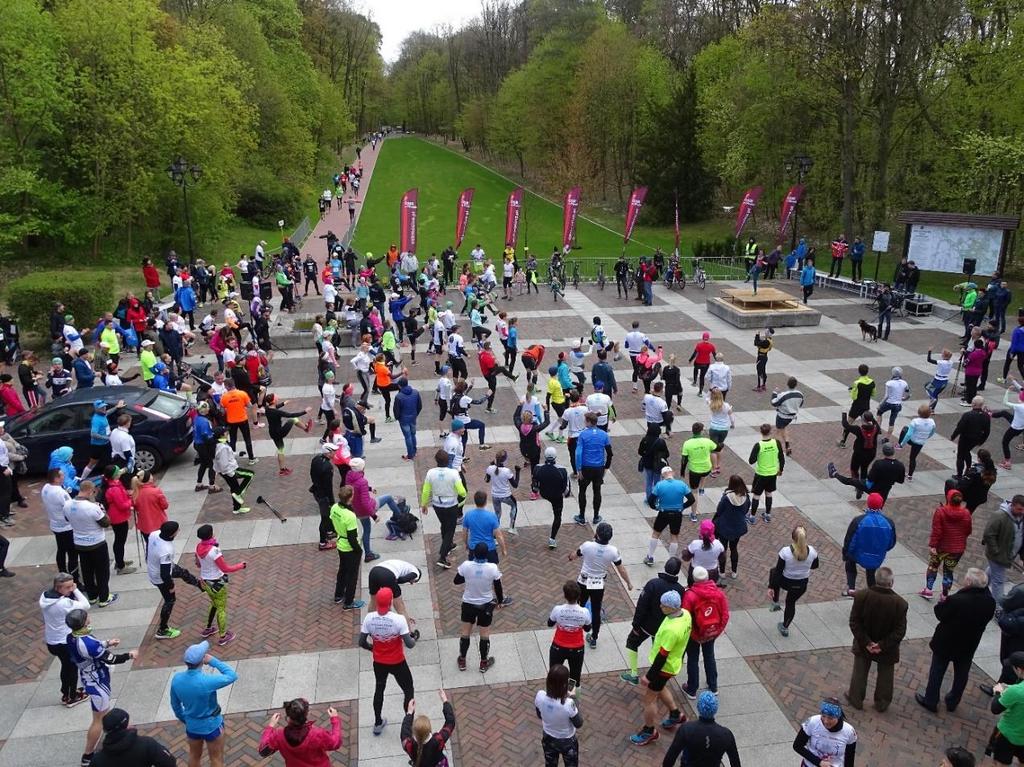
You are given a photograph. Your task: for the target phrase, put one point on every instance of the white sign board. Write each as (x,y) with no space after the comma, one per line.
(940,248)
(880,243)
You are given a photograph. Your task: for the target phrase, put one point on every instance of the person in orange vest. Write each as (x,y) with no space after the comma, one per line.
(531,360)
(392,255)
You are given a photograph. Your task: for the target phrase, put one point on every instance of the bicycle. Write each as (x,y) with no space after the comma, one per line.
(675,275)
(700,277)
(576,274)
(600,276)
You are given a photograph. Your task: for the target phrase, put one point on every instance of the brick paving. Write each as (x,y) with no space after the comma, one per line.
(917,340)
(31,520)
(906,733)
(742,398)
(243,732)
(282,603)
(653,320)
(25,656)
(608,299)
(821,346)
(500,721)
(624,466)
(814,445)
(289,495)
(532,575)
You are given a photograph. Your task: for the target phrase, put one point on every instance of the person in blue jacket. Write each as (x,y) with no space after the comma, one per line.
(807,274)
(857,258)
(408,405)
(396,305)
(61,459)
(187,302)
(84,374)
(194,701)
(593,457)
(205,443)
(869,538)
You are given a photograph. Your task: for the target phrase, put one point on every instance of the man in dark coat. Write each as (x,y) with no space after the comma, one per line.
(878,622)
(962,621)
(1011,634)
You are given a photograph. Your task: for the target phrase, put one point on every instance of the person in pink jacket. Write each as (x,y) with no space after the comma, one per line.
(300,742)
(9,396)
(150,505)
(119,509)
(363,503)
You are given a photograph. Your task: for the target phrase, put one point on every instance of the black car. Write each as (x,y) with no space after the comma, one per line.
(161,425)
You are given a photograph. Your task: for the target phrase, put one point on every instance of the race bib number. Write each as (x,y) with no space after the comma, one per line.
(594,582)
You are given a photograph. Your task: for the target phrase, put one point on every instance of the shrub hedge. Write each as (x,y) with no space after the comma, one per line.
(87,295)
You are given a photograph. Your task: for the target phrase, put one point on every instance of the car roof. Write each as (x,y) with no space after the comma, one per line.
(130,395)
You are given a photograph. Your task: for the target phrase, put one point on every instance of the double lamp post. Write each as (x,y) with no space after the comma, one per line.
(185,174)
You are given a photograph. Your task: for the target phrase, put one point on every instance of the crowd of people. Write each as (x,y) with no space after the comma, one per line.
(682,612)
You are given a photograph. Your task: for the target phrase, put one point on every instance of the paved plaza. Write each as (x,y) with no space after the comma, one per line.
(294,641)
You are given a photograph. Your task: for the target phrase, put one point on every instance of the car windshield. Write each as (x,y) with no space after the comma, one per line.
(167,404)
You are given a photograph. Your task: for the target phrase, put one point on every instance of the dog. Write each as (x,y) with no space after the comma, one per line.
(867,331)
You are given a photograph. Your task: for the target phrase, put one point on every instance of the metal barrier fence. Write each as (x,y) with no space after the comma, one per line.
(589,267)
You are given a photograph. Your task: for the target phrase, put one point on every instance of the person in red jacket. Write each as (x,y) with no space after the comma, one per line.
(119,509)
(951,527)
(709,608)
(9,396)
(702,356)
(136,316)
(300,742)
(151,276)
(489,369)
(150,504)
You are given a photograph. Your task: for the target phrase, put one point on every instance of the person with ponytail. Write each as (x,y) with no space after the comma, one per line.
(792,572)
(300,742)
(951,527)
(560,718)
(977,480)
(424,747)
(705,552)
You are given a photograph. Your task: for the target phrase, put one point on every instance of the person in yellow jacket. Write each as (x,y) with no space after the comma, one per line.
(666,659)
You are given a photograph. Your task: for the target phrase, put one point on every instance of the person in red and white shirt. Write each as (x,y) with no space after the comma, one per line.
(702,356)
(570,620)
(390,634)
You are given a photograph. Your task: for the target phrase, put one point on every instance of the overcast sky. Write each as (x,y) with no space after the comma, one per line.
(397,18)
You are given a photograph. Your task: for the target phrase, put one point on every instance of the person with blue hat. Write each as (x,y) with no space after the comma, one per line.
(704,741)
(99,436)
(826,737)
(194,701)
(666,659)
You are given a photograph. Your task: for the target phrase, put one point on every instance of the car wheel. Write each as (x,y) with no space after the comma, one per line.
(148,459)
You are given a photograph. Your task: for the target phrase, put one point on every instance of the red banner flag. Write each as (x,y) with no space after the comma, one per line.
(636,201)
(513,213)
(747,207)
(462,215)
(789,204)
(677,224)
(569,210)
(407,220)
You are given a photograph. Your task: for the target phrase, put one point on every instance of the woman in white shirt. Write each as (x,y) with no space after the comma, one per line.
(826,737)
(706,552)
(1014,397)
(559,718)
(720,422)
(916,434)
(792,572)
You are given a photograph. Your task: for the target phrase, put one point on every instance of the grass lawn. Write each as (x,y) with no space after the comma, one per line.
(441,175)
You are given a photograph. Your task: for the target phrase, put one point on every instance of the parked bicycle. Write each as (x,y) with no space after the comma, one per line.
(700,277)
(576,274)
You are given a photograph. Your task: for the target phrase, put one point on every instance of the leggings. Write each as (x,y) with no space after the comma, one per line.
(204,452)
(67,554)
(762,370)
(794,590)
(120,538)
(596,596)
(699,373)
(567,748)
(915,450)
(556,515)
(402,675)
(948,563)
(1007,438)
(233,429)
(167,592)
(68,670)
(95,564)
(324,506)
(385,392)
(1020,363)
(573,656)
(217,591)
(591,475)
(448,516)
(510,356)
(364,381)
(732,546)
(237,483)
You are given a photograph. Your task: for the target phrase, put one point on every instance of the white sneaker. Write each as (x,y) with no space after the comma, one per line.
(512,531)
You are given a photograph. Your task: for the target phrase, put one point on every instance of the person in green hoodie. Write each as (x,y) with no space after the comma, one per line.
(1007,741)
(147,361)
(861,392)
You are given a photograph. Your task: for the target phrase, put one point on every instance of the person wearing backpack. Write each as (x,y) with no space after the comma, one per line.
(792,572)
(869,538)
(709,609)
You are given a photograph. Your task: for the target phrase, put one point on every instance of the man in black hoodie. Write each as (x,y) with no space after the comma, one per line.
(971,431)
(321,476)
(647,616)
(551,482)
(124,747)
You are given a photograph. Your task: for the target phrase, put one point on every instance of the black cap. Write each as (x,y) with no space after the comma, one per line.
(480,552)
(1016,659)
(169,529)
(673,565)
(115,719)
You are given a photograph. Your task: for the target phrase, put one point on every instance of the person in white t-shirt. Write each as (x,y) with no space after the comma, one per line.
(896,391)
(328,397)
(920,430)
(559,718)
(601,403)
(1014,400)
(655,410)
(826,737)
(507,272)
(162,570)
(792,572)
(55,498)
(705,551)
(571,621)
(213,574)
(503,481)
(574,421)
(89,525)
(597,555)
(482,594)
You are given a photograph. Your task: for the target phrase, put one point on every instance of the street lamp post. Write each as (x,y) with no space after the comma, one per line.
(185,175)
(802,164)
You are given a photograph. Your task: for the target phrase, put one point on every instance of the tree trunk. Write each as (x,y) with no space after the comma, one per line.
(847,153)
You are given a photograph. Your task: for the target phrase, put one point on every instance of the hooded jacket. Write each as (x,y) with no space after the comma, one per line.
(150,508)
(304,746)
(61,459)
(731,516)
(1001,537)
(550,480)
(117,501)
(363,503)
(55,608)
(407,405)
(869,538)
(951,527)
(321,477)
(126,748)
(700,593)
